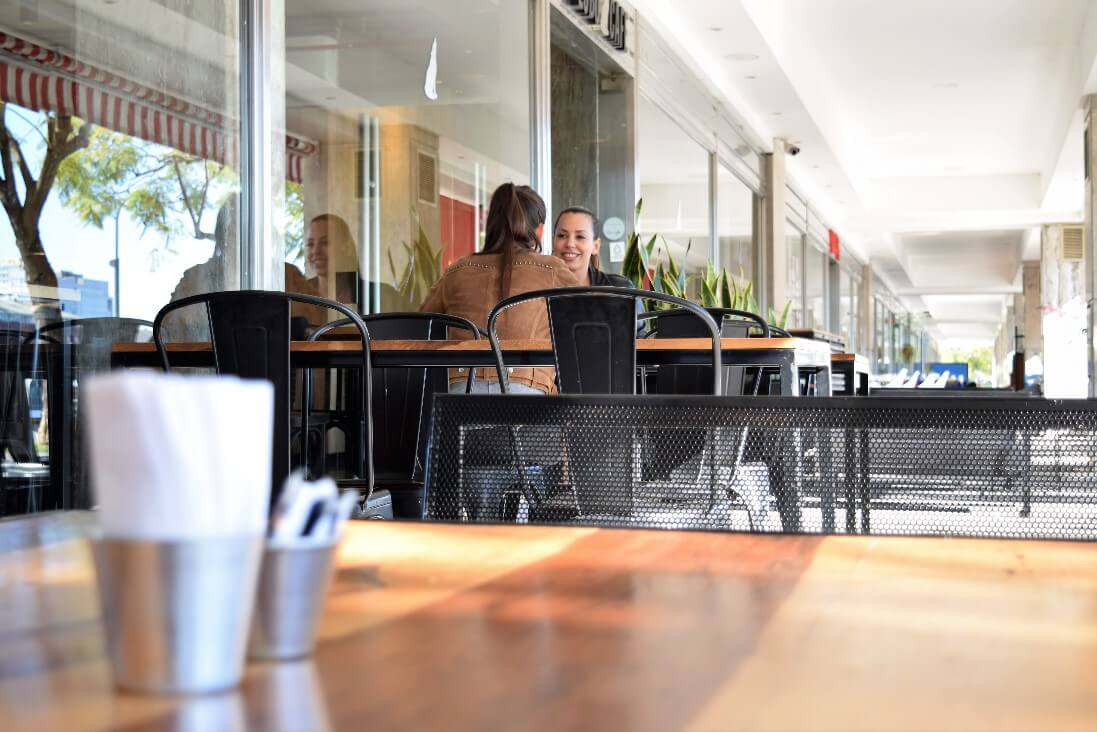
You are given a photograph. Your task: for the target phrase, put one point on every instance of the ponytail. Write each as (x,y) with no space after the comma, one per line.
(514,214)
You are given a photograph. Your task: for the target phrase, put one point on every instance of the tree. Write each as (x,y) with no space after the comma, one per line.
(158,187)
(23,198)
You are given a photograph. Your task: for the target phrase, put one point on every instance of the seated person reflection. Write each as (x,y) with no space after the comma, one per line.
(221,272)
(331,259)
(575,240)
(510,264)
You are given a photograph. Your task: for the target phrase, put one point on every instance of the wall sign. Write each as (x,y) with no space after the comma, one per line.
(835,244)
(610,16)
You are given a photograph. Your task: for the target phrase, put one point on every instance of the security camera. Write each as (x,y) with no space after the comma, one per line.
(792,149)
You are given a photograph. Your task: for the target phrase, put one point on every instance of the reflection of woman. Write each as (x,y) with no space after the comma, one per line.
(575,240)
(510,264)
(331,258)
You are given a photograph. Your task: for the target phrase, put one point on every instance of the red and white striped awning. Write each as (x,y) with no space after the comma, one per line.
(43,80)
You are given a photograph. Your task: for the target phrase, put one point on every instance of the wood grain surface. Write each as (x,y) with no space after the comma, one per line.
(432,627)
(643,344)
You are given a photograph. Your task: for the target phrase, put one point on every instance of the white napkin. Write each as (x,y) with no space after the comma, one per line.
(179,457)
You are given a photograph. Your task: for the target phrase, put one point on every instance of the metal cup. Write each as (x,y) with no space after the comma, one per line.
(176,613)
(293,583)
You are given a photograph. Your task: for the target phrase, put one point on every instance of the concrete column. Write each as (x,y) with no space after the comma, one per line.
(866,315)
(1032,321)
(773,242)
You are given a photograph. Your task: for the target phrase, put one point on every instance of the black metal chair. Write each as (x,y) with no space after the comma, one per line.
(401,403)
(65,351)
(20,467)
(251,335)
(692,452)
(593,332)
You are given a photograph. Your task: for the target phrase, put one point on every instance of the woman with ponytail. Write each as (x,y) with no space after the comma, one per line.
(511,263)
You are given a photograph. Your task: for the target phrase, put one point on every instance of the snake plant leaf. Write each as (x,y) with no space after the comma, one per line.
(728,292)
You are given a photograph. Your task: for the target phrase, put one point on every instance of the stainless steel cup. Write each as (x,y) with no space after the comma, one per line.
(176,613)
(293,583)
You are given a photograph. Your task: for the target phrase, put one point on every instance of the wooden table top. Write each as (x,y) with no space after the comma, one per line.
(642,344)
(515,627)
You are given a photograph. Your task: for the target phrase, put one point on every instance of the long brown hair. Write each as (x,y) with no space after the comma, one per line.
(514,214)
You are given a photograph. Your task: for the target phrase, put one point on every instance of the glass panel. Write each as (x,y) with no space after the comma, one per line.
(407,118)
(816,275)
(735,227)
(119,132)
(592,130)
(673,172)
(794,284)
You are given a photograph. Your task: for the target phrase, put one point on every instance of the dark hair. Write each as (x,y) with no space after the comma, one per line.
(514,214)
(595,226)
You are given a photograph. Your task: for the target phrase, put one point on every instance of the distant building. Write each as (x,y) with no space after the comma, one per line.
(84,298)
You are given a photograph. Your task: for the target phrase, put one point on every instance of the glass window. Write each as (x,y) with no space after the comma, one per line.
(673,171)
(593,164)
(119,127)
(142,142)
(400,123)
(794,283)
(815,280)
(735,225)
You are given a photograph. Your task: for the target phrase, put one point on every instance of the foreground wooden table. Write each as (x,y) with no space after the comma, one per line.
(433,627)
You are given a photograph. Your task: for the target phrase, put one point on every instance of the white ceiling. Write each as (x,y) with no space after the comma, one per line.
(935,134)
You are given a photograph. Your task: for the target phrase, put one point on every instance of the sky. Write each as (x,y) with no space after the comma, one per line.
(151,263)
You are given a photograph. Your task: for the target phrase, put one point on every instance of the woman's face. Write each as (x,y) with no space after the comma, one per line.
(316,248)
(574,242)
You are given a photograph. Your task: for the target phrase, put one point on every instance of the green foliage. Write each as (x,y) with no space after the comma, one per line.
(780,319)
(293,227)
(156,186)
(422,269)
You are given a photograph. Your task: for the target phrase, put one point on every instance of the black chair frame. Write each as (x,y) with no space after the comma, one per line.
(260,303)
(429,318)
(609,292)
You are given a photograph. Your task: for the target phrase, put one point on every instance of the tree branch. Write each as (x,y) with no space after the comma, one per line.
(28,178)
(8,192)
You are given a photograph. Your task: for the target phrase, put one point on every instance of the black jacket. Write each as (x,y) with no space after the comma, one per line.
(598,278)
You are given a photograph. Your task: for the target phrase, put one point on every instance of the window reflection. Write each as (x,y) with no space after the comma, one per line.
(400,177)
(673,171)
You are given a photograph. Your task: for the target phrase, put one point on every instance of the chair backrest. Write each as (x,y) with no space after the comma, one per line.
(401,398)
(251,338)
(593,331)
(16,433)
(678,323)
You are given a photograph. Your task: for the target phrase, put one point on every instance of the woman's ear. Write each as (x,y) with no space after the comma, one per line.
(597,245)
(540,232)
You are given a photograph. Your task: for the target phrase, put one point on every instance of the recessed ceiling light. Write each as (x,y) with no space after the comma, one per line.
(468,50)
(815,166)
(828,185)
(947,85)
(715,28)
(330,99)
(741,57)
(750,76)
(776,114)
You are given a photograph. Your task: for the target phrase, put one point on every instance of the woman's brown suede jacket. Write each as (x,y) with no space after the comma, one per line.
(470,289)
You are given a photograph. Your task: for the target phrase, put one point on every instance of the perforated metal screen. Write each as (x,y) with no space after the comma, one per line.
(959,467)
